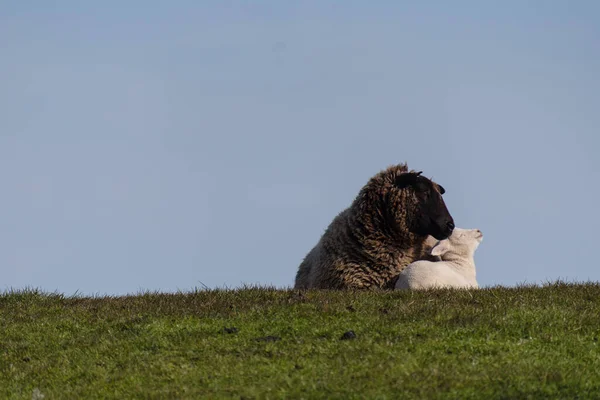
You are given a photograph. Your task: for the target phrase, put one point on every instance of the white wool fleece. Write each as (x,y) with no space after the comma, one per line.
(457,268)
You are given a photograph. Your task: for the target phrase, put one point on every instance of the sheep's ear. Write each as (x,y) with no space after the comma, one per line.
(407,179)
(441,248)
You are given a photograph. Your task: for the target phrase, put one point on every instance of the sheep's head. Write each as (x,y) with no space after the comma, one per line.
(462,242)
(426,213)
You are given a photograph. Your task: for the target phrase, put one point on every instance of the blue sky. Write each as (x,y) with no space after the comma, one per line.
(155,146)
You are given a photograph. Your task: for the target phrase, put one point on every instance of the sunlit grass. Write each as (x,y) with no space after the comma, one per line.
(536,342)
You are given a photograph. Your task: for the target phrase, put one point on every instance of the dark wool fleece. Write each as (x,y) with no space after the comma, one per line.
(367,245)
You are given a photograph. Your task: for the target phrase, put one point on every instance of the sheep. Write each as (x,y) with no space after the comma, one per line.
(388,225)
(456,270)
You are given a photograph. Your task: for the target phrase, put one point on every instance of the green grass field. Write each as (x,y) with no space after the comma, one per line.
(512,343)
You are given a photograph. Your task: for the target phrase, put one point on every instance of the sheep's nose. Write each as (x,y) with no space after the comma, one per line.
(450,225)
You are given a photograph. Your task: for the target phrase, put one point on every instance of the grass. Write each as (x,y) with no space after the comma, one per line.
(496,343)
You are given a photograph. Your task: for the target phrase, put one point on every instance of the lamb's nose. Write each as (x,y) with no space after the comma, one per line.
(450,225)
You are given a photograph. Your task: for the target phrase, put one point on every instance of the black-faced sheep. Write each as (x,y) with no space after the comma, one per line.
(386,228)
(456,270)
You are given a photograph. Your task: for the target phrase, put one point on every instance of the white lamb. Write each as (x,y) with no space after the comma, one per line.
(457,268)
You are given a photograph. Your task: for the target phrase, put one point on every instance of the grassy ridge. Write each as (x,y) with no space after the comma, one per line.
(536,342)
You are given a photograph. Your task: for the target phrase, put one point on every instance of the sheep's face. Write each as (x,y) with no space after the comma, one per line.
(462,241)
(428,214)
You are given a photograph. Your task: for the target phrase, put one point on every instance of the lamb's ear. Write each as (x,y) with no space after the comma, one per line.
(441,248)
(407,179)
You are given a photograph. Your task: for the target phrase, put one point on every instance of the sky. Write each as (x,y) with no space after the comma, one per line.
(167,146)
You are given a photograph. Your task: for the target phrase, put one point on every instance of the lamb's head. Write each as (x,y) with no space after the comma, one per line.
(425,210)
(462,242)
